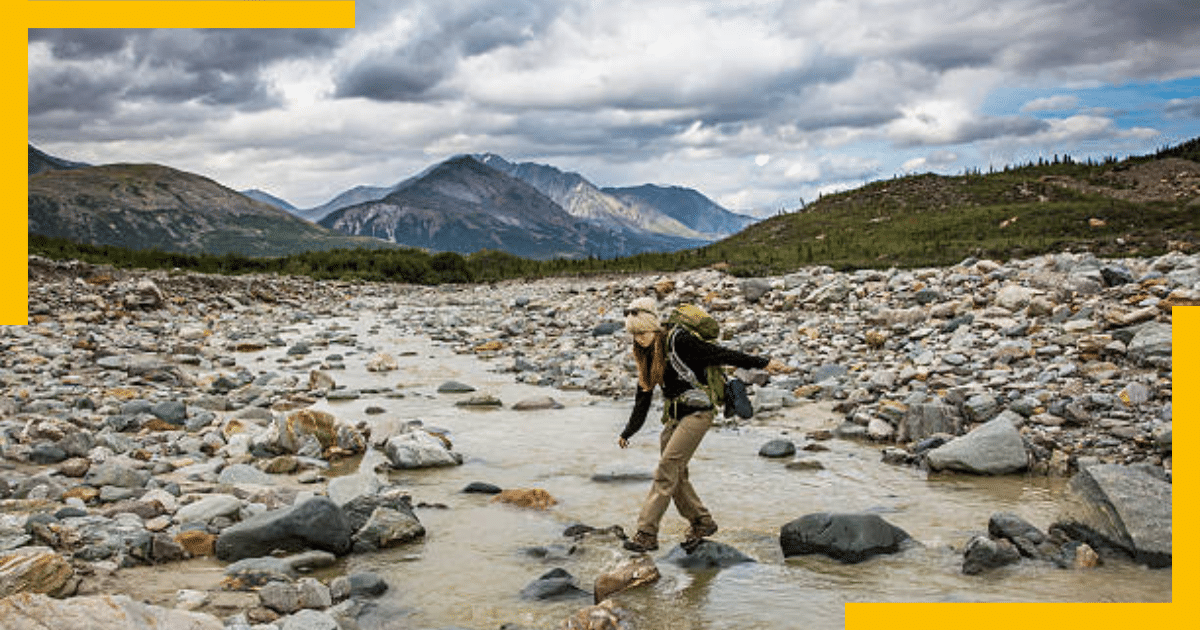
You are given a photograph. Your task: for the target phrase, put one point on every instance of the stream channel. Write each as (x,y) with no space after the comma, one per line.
(469,569)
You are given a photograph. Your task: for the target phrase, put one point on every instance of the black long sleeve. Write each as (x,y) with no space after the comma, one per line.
(697,354)
(641,408)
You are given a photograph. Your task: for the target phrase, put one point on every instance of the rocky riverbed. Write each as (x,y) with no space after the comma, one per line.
(131,436)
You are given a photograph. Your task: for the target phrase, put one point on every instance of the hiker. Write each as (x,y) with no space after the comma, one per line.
(687,415)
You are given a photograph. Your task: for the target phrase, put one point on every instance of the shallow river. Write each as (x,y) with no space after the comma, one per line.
(472,564)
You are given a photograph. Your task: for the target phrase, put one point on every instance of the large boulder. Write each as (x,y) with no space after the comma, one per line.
(850,538)
(993,448)
(97,612)
(317,523)
(1125,508)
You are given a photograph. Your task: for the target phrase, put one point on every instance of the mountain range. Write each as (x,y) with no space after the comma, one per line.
(142,206)
(464,204)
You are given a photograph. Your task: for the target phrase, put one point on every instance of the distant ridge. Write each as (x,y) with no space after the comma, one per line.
(268,198)
(40,162)
(145,206)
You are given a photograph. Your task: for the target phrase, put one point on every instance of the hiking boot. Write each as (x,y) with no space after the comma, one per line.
(642,542)
(702,527)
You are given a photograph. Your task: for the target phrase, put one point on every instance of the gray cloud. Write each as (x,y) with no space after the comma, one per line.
(447,33)
(1183,108)
(215,67)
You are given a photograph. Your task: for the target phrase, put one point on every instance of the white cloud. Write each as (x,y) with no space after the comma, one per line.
(1052,103)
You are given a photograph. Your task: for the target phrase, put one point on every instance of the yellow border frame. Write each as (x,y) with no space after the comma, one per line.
(340,14)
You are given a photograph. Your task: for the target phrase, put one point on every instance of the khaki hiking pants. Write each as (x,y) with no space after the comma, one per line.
(678,443)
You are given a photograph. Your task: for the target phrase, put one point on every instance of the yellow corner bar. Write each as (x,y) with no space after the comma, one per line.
(190,14)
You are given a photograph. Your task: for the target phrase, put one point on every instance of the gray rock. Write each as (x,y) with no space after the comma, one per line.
(850,538)
(346,488)
(454,387)
(239,474)
(367,584)
(268,568)
(118,474)
(282,597)
(984,554)
(709,554)
(778,448)
(98,612)
(419,449)
(386,528)
(1123,507)
(317,523)
(308,620)
(208,508)
(923,420)
(554,585)
(1151,345)
(171,411)
(994,448)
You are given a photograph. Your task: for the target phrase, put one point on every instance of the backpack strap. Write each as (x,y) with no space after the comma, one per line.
(714,379)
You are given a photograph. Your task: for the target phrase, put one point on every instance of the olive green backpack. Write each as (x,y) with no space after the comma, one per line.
(697,321)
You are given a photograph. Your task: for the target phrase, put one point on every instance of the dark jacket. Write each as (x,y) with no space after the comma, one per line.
(697,354)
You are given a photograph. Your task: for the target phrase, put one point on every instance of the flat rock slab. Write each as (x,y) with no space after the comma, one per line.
(26,611)
(1126,508)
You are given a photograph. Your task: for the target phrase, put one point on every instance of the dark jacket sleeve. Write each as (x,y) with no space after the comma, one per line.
(641,407)
(699,354)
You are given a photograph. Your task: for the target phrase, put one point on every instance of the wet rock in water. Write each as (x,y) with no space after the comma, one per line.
(253,572)
(850,538)
(581,531)
(994,448)
(34,570)
(482,401)
(537,404)
(454,387)
(419,449)
(637,476)
(606,615)
(632,573)
(97,612)
(386,528)
(1024,535)
(554,585)
(777,449)
(317,523)
(984,554)
(534,498)
(709,554)
(366,584)
(304,423)
(480,487)
(382,362)
(1125,508)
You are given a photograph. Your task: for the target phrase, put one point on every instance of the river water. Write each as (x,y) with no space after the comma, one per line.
(473,562)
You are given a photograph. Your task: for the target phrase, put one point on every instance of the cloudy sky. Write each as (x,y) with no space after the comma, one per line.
(756,103)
